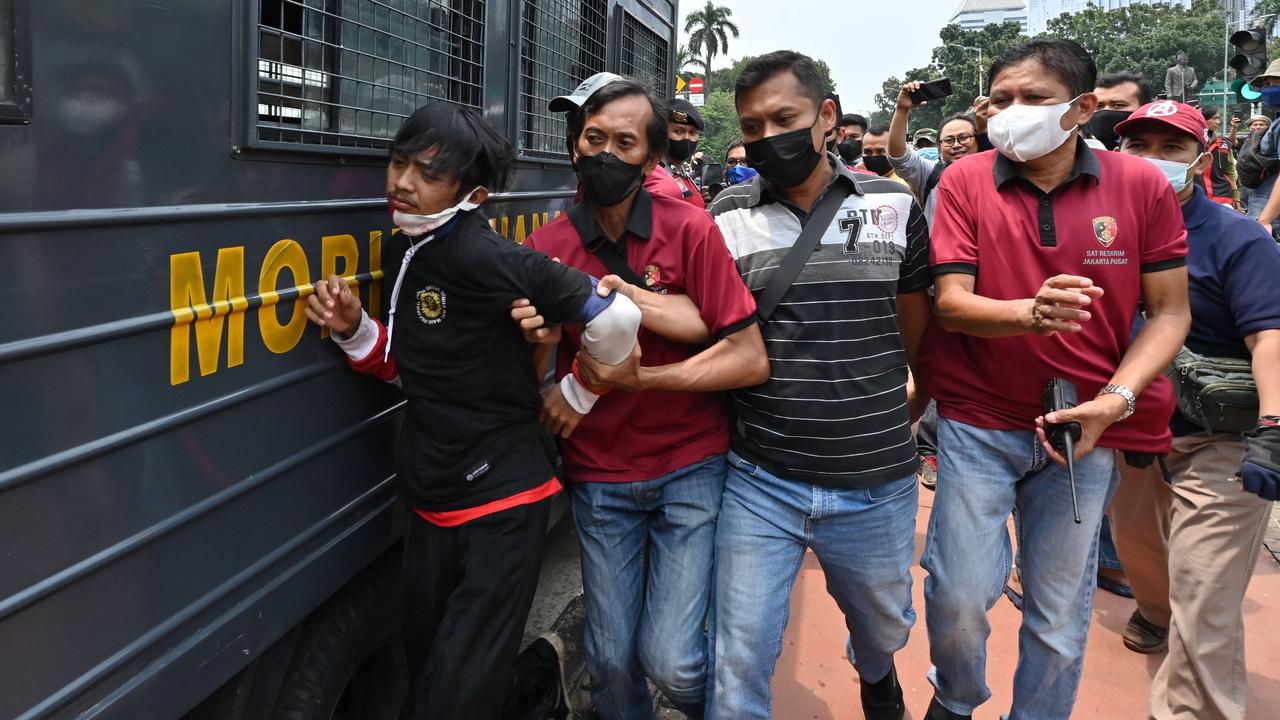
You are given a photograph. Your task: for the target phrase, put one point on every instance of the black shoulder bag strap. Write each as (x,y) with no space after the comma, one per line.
(618,265)
(799,253)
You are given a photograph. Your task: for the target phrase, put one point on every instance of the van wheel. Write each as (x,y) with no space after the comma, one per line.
(349,663)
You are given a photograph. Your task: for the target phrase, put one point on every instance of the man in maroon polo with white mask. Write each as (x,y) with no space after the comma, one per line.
(1105,229)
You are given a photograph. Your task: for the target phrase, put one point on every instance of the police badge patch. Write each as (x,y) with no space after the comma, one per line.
(431,305)
(1104,228)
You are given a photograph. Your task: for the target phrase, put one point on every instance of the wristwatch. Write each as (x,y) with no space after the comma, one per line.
(1123,392)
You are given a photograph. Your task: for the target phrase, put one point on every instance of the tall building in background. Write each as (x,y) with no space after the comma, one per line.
(1241,12)
(1040,12)
(974,14)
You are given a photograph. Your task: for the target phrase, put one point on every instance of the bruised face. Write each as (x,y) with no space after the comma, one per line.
(415,187)
(620,127)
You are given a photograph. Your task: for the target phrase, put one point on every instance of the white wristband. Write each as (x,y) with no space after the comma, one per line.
(362,340)
(578,397)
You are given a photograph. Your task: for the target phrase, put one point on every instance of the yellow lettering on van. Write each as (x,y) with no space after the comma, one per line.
(284,255)
(375,270)
(333,248)
(506,227)
(520,233)
(192,306)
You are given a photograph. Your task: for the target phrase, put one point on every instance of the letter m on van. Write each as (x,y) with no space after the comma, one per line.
(205,313)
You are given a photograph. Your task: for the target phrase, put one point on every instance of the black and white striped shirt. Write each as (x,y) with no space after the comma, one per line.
(833,411)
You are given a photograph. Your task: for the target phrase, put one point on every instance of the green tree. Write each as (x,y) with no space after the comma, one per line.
(1269,11)
(955,61)
(1147,38)
(709,30)
(720,118)
(886,101)
(725,77)
(684,58)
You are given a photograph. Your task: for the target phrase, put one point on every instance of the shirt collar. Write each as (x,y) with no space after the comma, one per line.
(1197,210)
(639,223)
(1086,163)
(760,192)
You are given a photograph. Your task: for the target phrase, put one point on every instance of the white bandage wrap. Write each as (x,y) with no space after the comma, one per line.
(362,340)
(611,335)
(609,338)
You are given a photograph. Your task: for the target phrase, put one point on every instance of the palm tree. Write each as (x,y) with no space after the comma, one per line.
(684,58)
(709,30)
(1266,8)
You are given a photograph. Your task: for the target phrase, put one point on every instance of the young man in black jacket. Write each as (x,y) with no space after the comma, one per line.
(473,464)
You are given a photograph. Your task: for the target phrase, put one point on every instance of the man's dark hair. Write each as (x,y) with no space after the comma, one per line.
(1146,91)
(1065,59)
(735,144)
(853,119)
(965,116)
(655,129)
(467,148)
(760,70)
(878,130)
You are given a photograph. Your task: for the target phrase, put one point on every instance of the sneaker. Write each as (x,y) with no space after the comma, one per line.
(937,712)
(883,700)
(541,693)
(929,472)
(1143,636)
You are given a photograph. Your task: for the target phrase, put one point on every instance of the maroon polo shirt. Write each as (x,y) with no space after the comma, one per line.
(674,248)
(1113,219)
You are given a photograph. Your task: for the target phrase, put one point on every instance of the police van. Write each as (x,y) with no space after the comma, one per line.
(197,515)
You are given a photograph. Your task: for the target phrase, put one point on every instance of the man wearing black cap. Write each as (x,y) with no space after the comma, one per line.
(684,128)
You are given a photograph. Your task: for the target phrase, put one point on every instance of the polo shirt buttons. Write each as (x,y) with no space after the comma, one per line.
(1046,227)
(1044,202)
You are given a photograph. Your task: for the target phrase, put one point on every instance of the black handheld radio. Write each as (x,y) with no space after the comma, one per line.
(1060,394)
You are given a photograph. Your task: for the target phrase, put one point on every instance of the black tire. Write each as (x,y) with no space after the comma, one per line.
(349,663)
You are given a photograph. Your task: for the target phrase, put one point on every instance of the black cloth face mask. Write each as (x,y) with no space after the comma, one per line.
(850,150)
(1103,126)
(681,150)
(785,160)
(607,179)
(878,164)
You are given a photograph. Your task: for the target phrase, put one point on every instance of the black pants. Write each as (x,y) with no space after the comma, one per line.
(467,592)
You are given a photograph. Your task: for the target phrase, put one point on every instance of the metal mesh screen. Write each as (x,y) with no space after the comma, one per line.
(6,50)
(563,43)
(346,73)
(644,55)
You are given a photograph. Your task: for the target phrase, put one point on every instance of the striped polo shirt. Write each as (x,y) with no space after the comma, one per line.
(834,410)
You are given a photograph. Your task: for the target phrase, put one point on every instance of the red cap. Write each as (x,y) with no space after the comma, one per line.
(1179,116)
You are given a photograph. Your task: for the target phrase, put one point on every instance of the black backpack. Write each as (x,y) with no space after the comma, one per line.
(1252,167)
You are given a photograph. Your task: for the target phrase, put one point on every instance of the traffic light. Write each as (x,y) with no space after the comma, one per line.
(1245,92)
(1250,59)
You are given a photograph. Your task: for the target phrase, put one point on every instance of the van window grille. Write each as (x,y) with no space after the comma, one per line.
(562,44)
(346,73)
(6,50)
(644,55)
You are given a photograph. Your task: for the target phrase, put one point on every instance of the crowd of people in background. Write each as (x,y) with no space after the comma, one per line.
(764,354)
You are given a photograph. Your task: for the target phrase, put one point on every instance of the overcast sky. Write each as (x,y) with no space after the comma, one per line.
(863,42)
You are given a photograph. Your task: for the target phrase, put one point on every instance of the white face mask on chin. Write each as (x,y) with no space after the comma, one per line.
(1027,132)
(416,225)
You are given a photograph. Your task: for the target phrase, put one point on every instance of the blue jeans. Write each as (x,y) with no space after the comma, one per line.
(983,476)
(865,542)
(647,553)
(1259,196)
